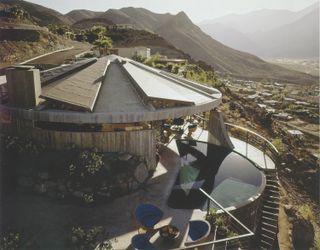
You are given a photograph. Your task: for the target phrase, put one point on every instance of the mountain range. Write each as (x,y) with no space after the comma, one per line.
(270,33)
(183,34)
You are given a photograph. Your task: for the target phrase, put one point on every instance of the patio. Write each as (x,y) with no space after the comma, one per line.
(46,224)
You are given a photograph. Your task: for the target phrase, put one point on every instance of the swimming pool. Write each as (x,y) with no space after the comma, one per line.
(231,179)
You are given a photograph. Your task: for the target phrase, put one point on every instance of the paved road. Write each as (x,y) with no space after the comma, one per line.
(60,57)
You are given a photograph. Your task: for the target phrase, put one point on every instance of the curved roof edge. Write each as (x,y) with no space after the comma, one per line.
(108,117)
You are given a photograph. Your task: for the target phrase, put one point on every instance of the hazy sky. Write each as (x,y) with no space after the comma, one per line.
(197,10)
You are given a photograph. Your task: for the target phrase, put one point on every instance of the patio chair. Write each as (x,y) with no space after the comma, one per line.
(141,242)
(198,231)
(148,215)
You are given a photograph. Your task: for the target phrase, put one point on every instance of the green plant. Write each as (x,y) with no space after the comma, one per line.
(103,42)
(316,244)
(23,146)
(10,241)
(152,60)
(89,162)
(88,198)
(83,239)
(235,242)
(279,145)
(212,216)
(306,212)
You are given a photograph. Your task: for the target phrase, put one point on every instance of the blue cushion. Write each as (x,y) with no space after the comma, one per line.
(198,229)
(141,242)
(148,215)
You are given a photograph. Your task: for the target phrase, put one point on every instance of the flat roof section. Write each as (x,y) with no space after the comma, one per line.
(54,74)
(80,89)
(157,86)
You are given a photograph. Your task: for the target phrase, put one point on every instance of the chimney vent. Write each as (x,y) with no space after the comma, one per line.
(24,86)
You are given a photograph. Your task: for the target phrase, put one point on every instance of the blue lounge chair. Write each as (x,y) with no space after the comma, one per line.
(148,215)
(198,231)
(141,242)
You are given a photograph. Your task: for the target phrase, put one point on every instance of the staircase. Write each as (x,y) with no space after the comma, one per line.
(268,228)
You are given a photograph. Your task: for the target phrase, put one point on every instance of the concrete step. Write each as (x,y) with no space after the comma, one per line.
(270,215)
(273,223)
(265,244)
(271,209)
(272,197)
(271,203)
(263,248)
(272,187)
(270,226)
(271,176)
(272,182)
(267,239)
(271,234)
(271,220)
(267,190)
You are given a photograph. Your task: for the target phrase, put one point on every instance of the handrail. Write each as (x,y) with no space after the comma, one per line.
(254,133)
(246,235)
(266,145)
(226,211)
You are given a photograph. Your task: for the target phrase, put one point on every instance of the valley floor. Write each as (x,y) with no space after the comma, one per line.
(309,66)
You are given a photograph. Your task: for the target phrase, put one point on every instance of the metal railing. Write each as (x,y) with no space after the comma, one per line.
(242,239)
(249,137)
(254,139)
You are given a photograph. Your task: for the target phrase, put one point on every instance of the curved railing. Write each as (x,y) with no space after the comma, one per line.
(253,139)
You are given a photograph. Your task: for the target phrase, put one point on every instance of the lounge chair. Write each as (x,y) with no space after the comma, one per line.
(198,231)
(141,242)
(148,215)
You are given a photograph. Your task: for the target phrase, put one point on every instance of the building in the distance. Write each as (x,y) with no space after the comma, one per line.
(132,52)
(121,26)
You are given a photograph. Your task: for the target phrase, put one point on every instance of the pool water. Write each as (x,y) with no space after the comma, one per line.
(228,177)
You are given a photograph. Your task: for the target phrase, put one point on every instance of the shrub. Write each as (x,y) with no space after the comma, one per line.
(21,145)
(90,238)
(10,241)
(306,212)
(279,145)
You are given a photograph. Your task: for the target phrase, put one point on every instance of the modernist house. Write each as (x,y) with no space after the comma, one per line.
(119,105)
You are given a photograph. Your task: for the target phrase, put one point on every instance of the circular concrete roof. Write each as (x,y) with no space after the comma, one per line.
(113,89)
